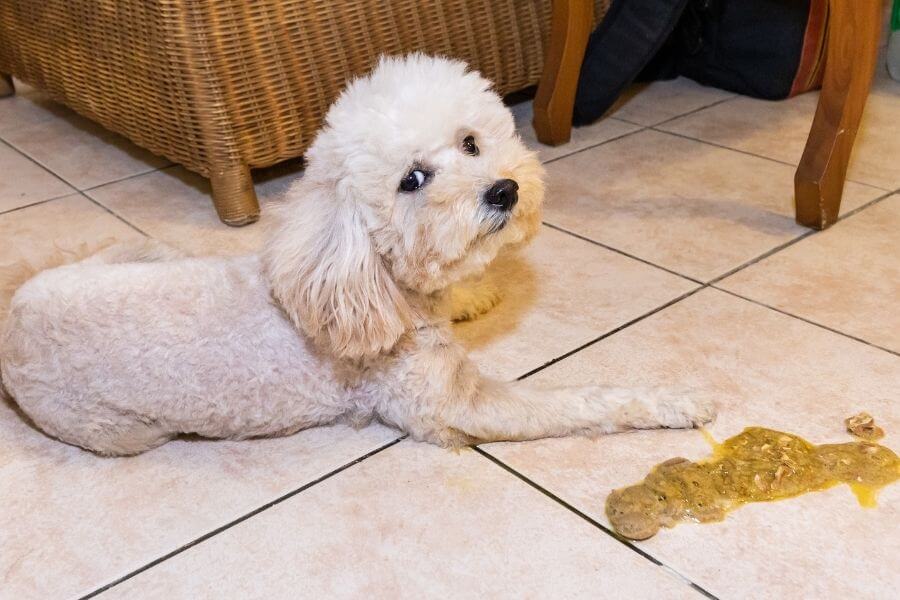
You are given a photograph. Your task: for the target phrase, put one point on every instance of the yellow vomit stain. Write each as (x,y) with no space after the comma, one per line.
(757,465)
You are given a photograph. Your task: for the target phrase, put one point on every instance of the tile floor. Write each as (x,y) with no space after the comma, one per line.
(669,255)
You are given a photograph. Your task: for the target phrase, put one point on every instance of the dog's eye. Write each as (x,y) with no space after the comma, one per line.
(413,180)
(469,146)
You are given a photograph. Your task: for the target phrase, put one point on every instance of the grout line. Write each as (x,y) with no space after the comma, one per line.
(556,498)
(38,203)
(127,177)
(768,158)
(580,150)
(801,237)
(872,202)
(71,184)
(614,118)
(624,120)
(763,256)
(241,519)
(588,518)
(717,145)
(44,167)
(805,320)
(697,587)
(617,251)
(611,332)
(116,215)
(696,110)
(668,119)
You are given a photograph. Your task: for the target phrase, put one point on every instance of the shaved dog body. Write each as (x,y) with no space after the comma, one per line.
(415,183)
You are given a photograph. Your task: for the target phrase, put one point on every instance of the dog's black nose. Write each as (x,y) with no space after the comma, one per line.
(503,194)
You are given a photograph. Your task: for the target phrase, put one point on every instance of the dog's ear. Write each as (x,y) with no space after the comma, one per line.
(324,271)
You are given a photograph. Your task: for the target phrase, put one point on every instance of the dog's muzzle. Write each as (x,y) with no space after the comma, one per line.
(503,195)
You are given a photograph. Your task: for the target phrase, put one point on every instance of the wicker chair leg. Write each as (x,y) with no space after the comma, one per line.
(233,194)
(6,85)
(850,59)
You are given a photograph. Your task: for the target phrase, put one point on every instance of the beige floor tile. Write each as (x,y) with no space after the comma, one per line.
(65,223)
(174,205)
(652,103)
(773,129)
(414,521)
(22,182)
(557,294)
(582,137)
(72,522)
(779,130)
(28,107)
(81,151)
(847,278)
(691,207)
(762,368)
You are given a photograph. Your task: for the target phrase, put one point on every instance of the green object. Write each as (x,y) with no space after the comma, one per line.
(893,48)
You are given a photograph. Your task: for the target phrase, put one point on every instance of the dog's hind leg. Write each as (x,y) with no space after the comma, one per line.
(107,434)
(127,440)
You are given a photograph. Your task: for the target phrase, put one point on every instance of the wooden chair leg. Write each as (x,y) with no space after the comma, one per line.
(6,85)
(233,194)
(569,31)
(852,49)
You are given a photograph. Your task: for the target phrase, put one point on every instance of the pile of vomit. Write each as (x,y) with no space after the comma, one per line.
(756,465)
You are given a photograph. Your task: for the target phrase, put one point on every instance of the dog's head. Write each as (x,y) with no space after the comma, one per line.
(416,181)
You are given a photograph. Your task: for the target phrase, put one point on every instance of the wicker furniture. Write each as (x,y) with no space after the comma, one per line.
(228,85)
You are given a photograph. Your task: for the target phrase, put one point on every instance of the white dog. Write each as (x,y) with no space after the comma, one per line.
(414,184)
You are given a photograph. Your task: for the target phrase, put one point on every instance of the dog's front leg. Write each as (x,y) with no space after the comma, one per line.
(448,402)
(499,411)
(472,298)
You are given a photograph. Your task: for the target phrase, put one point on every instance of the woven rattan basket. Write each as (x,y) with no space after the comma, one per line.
(222,86)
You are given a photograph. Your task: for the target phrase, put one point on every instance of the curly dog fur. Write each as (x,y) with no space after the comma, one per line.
(345,315)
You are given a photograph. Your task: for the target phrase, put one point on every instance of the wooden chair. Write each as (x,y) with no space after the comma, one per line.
(851,52)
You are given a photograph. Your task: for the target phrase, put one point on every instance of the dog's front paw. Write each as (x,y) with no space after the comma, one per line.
(682,410)
(469,301)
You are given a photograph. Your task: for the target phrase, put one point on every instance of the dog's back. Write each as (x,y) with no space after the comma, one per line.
(120,357)
(13,276)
